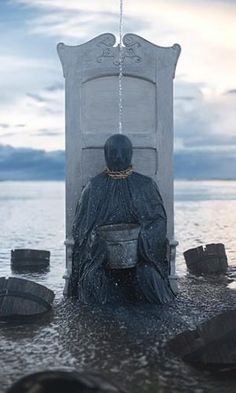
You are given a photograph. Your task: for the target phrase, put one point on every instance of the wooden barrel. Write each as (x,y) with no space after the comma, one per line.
(63,381)
(23,258)
(211,259)
(121,243)
(21,297)
(212,345)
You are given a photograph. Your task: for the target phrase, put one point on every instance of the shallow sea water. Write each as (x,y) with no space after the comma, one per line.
(126,343)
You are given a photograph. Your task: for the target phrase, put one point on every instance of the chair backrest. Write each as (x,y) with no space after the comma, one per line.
(91,72)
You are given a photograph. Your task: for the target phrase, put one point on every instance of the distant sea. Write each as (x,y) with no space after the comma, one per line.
(32,216)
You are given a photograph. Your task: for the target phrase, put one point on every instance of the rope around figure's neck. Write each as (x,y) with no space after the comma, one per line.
(119,174)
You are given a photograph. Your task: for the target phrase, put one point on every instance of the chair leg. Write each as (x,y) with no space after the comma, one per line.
(67,275)
(172,256)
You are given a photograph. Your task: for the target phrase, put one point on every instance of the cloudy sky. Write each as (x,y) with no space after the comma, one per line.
(31,82)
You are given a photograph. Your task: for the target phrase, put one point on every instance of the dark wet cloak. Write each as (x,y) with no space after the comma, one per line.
(135,199)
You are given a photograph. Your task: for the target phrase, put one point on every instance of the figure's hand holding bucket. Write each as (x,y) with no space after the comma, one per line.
(122,244)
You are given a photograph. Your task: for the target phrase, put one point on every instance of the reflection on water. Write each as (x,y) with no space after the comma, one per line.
(216,190)
(126,343)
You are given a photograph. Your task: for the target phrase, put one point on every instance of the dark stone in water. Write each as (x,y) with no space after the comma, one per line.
(212,345)
(209,260)
(20,297)
(23,258)
(63,381)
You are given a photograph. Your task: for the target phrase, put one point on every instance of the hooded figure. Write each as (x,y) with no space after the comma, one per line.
(119,195)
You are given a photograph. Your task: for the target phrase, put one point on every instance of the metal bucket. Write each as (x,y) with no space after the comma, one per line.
(122,244)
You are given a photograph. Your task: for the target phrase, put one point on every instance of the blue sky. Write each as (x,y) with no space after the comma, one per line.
(31,81)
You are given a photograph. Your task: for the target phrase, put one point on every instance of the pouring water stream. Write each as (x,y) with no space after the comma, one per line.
(120,68)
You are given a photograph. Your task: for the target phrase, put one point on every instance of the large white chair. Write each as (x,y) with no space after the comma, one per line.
(91,72)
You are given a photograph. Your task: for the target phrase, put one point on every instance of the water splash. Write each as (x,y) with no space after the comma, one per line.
(121,68)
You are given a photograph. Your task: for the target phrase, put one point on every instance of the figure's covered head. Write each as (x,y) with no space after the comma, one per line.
(118,152)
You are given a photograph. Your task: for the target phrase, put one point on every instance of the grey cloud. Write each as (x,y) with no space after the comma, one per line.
(205,165)
(102,22)
(46,132)
(8,134)
(232,91)
(81,24)
(30,164)
(198,121)
(6,126)
(55,87)
(211,141)
(36,97)
(53,111)
(185,98)
(189,123)
(49,108)
(223,2)
(217,1)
